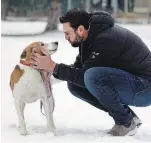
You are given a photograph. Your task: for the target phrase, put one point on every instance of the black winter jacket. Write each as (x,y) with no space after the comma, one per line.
(107,45)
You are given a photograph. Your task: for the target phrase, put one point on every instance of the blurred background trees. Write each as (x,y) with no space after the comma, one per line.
(4,9)
(53,13)
(50,10)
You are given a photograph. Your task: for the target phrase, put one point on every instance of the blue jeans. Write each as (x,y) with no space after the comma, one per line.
(85,95)
(112,90)
(114,87)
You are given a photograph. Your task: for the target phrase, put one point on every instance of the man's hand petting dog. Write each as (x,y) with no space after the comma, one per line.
(43,63)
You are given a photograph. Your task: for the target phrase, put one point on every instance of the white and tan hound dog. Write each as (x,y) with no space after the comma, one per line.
(28,85)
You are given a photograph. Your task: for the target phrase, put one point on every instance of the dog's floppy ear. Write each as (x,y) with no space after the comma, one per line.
(33,50)
(23,55)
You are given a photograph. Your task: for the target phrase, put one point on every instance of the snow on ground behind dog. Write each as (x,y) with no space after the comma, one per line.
(75,120)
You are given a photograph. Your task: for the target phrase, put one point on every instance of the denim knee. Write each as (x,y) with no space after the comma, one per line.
(95,82)
(95,75)
(90,75)
(92,81)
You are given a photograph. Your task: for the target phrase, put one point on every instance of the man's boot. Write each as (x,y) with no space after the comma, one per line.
(122,130)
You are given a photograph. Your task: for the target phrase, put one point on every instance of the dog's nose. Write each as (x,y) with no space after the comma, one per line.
(56,43)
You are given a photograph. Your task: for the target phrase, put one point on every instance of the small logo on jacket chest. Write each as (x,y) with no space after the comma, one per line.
(94,54)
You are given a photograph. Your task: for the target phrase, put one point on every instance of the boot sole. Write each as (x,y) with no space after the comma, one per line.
(137,121)
(138,125)
(133,132)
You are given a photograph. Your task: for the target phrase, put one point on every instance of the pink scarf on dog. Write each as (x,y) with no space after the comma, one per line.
(46,76)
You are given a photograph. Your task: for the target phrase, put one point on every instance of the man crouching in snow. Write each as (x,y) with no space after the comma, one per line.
(111,71)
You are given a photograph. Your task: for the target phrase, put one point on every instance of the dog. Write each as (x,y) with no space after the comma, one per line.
(28,85)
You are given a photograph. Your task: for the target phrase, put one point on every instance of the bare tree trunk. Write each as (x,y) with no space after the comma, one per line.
(4,9)
(53,15)
(149,9)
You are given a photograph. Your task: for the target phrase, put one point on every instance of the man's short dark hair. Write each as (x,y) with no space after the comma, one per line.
(76,17)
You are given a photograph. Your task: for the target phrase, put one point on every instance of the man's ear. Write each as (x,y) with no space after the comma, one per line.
(33,50)
(81,29)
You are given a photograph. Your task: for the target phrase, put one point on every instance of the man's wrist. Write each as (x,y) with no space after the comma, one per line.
(55,71)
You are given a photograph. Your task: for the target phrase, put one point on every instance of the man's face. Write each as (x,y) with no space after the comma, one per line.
(73,36)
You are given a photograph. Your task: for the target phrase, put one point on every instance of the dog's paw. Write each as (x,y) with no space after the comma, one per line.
(53,130)
(23,131)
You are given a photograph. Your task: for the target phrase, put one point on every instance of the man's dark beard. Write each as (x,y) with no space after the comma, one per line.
(77,41)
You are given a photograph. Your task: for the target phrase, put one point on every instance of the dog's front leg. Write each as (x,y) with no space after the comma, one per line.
(20,113)
(47,108)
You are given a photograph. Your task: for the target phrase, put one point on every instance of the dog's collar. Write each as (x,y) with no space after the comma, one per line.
(24,63)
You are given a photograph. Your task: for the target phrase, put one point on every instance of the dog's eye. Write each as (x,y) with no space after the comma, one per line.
(42,44)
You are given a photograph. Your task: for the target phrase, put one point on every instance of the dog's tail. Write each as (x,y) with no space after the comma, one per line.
(41,104)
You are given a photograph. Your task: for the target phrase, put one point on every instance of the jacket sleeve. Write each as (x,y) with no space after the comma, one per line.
(70,74)
(77,63)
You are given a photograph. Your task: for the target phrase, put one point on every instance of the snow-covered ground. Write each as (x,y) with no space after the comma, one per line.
(75,120)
